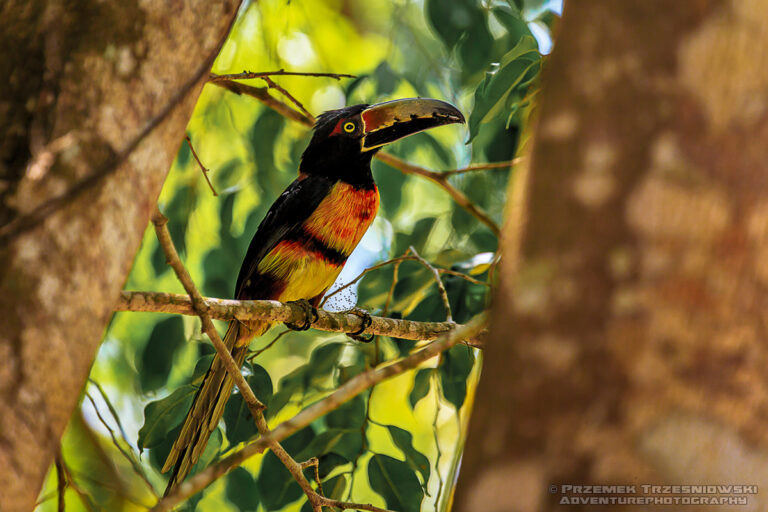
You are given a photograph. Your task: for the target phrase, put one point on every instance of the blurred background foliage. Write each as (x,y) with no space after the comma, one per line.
(397,446)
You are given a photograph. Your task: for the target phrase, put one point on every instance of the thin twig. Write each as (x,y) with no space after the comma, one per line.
(440,484)
(61,482)
(111,408)
(396,262)
(484,167)
(360,276)
(202,167)
(462,275)
(274,311)
(344,505)
(201,309)
(441,180)
(272,85)
(84,498)
(391,293)
(438,281)
(246,75)
(314,462)
(346,392)
(257,353)
(134,464)
(261,94)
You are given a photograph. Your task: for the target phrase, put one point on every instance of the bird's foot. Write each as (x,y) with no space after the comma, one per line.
(310,315)
(366,323)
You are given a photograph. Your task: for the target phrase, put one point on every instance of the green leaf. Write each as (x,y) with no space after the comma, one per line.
(512,21)
(157,357)
(396,483)
(161,416)
(517,69)
(275,484)
(454,370)
(421,231)
(241,490)
(421,385)
(203,364)
(345,442)
(335,487)
(386,79)
(415,459)
(449,21)
(349,415)
(325,359)
(289,385)
(237,416)
(329,462)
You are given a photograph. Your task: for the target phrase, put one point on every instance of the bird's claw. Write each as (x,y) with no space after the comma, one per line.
(366,323)
(310,315)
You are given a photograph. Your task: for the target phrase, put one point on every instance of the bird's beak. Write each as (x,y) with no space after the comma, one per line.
(392,120)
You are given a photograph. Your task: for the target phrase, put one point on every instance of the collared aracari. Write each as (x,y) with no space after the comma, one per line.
(305,239)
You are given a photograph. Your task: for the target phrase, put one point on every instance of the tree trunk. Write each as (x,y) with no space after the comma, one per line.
(629,342)
(94,102)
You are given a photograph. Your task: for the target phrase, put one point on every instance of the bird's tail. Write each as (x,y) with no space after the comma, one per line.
(207,407)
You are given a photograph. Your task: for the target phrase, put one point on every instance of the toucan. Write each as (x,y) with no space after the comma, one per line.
(306,237)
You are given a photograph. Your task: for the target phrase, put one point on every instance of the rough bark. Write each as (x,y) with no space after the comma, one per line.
(629,341)
(95,99)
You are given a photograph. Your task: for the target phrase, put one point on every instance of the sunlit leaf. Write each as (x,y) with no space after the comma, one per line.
(350,415)
(517,69)
(237,417)
(415,459)
(163,415)
(420,386)
(241,490)
(454,370)
(396,482)
(157,357)
(345,442)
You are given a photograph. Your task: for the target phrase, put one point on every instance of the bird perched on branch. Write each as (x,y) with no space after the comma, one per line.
(305,239)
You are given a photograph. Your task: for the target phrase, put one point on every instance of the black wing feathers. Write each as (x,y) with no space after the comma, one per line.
(288,212)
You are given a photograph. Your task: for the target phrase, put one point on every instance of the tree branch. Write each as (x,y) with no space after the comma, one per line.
(203,168)
(272,85)
(274,311)
(441,180)
(346,392)
(484,167)
(245,75)
(261,94)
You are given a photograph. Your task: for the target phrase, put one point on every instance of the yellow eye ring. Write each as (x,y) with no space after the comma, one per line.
(349,127)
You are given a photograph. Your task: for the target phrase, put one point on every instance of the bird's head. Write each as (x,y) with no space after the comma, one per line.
(347,138)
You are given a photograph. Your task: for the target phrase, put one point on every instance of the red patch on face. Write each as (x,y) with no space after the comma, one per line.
(337,130)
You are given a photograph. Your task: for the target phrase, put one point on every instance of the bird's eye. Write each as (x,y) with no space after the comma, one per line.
(349,127)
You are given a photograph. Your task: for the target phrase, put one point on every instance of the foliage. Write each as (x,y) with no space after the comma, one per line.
(395,445)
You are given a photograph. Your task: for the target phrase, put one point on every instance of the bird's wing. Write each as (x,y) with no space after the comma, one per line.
(288,212)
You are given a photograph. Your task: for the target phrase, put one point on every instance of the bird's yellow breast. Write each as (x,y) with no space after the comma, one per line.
(308,266)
